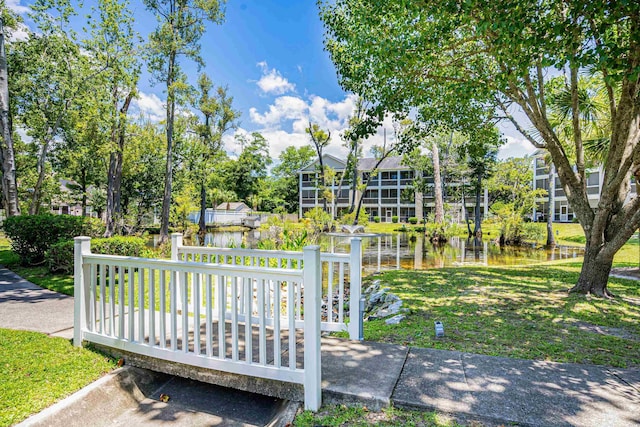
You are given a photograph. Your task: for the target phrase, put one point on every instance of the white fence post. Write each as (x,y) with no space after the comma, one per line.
(312,280)
(176,243)
(81,247)
(355,273)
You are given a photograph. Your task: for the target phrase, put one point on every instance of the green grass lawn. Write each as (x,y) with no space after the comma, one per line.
(522,312)
(37,370)
(340,415)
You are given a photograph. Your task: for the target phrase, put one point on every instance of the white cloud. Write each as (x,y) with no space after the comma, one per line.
(150,106)
(283,108)
(20,33)
(272,81)
(284,123)
(15,6)
(515,147)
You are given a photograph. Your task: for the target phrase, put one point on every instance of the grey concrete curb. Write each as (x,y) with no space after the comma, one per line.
(75,407)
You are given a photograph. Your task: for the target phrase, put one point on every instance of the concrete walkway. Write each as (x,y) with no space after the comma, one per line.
(29,307)
(493,390)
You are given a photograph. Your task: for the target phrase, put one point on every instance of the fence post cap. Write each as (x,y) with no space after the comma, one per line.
(81,239)
(311,248)
(176,234)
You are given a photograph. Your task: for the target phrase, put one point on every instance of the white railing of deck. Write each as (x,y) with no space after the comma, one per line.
(341,281)
(132,304)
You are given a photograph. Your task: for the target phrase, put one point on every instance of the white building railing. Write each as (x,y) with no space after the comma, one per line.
(341,276)
(235,326)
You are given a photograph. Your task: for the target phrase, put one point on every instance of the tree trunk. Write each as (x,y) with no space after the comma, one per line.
(110,211)
(83,186)
(551,241)
(477,230)
(594,274)
(7,156)
(466,213)
(168,179)
(437,185)
(114,179)
(34,208)
(203,211)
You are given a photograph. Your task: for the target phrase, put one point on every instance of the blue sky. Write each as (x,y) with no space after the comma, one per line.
(270,55)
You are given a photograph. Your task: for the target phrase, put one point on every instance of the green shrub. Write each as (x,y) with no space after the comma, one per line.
(319,219)
(413,220)
(394,219)
(119,245)
(59,257)
(376,219)
(32,235)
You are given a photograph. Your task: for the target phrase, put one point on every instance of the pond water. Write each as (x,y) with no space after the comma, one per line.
(412,251)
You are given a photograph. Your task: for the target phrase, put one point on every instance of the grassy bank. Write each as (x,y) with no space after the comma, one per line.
(37,371)
(522,312)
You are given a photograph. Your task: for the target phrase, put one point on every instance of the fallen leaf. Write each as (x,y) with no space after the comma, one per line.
(120,362)
(164,398)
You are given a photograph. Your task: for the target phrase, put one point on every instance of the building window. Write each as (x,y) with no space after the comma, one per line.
(559,191)
(308,194)
(370,196)
(542,184)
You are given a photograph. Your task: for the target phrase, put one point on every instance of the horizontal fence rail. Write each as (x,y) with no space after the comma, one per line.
(234,318)
(341,276)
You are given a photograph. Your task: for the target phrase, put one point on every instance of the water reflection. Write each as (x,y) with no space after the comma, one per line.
(410,251)
(414,251)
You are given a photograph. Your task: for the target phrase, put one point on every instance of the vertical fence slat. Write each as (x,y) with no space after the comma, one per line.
(340,295)
(262,311)
(291,316)
(196,312)
(184,283)
(248,322)
(92,297)
(121,302)
(131,303)
(234,319)
(330,290)
(163,309)
(276,326)
(103,303)
(112,300)
(173,315)
(141,310)
(209,317)
(152,307)
(222,302)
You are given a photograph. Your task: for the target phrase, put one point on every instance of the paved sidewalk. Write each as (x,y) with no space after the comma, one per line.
(26,306)
(493,390)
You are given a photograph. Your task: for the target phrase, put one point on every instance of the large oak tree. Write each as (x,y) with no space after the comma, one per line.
(456,60)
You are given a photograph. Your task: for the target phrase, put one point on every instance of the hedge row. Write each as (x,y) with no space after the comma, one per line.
(32,235)
(59,257)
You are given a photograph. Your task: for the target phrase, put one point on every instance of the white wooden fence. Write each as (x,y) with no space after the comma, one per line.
(232,318)
(341,277)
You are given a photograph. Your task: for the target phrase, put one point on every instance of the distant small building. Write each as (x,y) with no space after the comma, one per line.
(67,203)
(240,207)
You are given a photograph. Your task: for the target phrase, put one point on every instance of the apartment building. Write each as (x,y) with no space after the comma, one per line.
(545,177)
(389,193)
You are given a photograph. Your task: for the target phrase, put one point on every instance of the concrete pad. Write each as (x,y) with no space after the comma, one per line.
(130,396)
(360,372)
(525,392)
(25,306)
